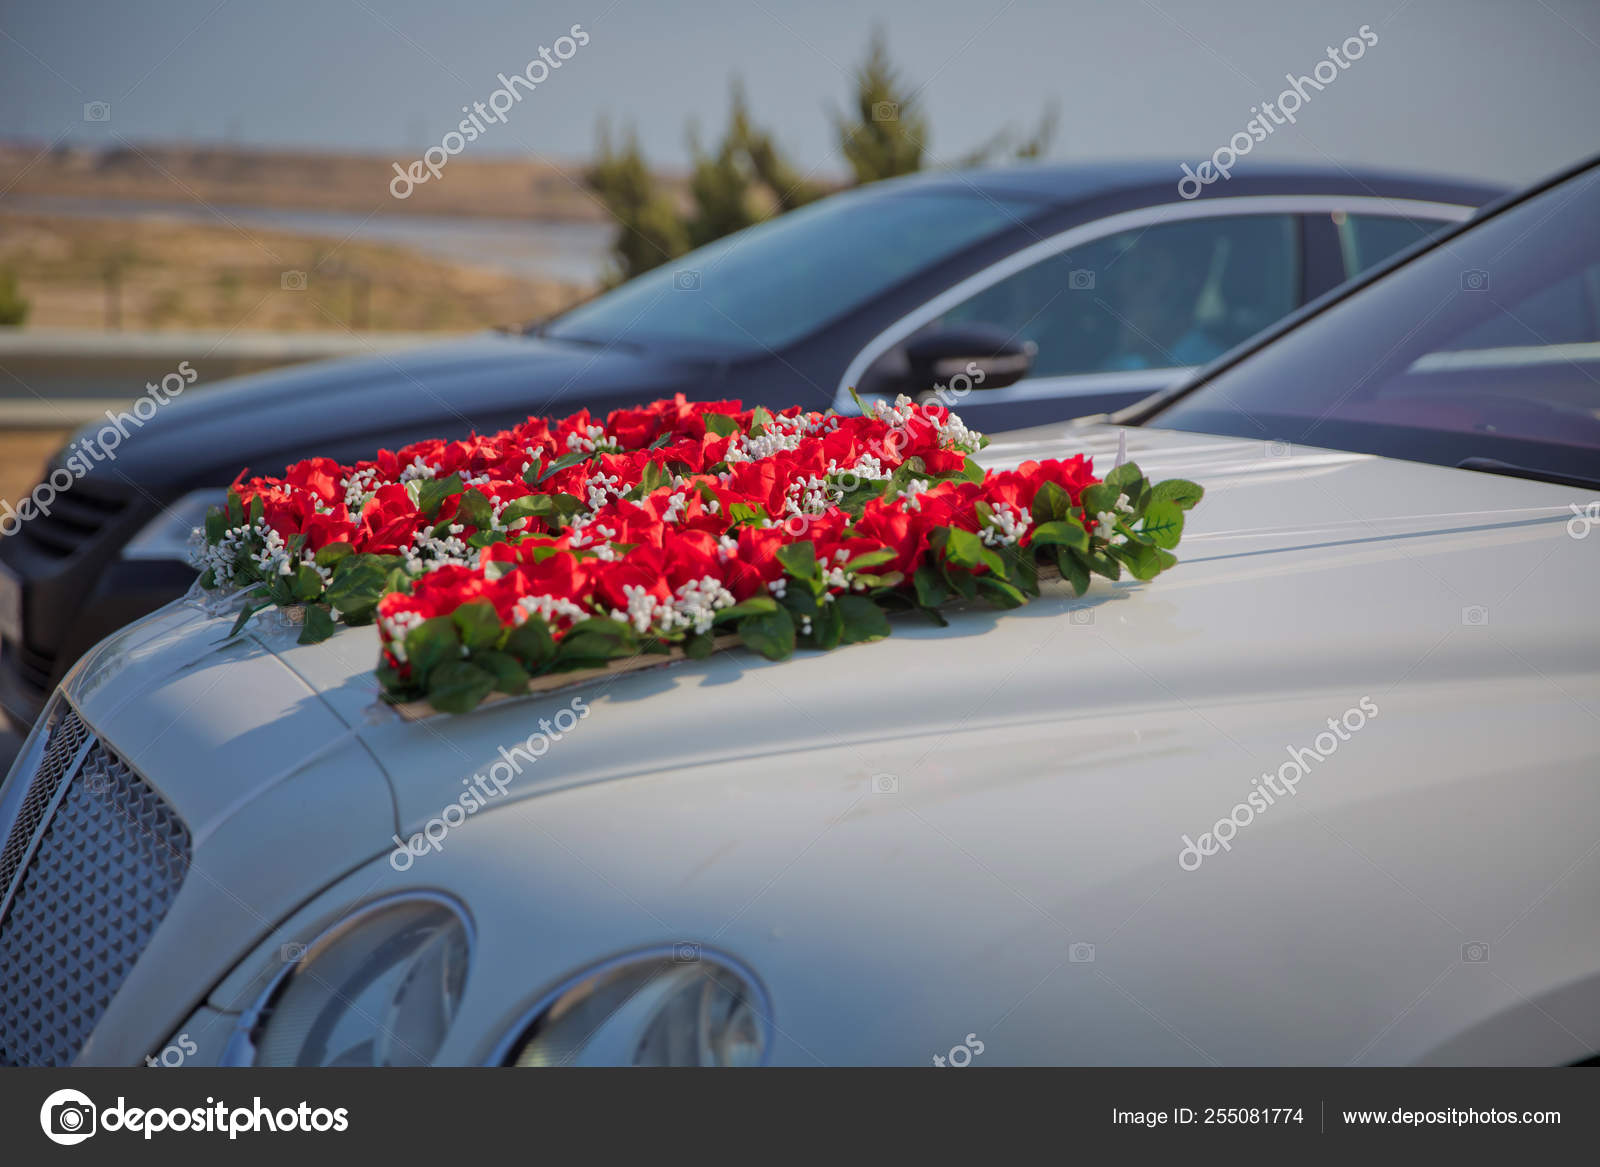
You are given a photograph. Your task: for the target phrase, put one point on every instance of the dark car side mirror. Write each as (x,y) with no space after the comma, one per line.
(989,356)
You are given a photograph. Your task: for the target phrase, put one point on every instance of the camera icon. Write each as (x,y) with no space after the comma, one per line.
(1475,280)
(68,1117)
(1081,616)
(1279,450)
(97,111)
(1081,953)
(292,953)
(685,953)
(885,784)
(1475,616)
(1477,952)
(687,280)
(1081,279)
(886,111)
(294,281)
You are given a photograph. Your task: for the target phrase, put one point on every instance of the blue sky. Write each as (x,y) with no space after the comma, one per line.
(1500,90)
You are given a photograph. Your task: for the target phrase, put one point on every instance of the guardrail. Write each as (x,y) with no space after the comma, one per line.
(63,377)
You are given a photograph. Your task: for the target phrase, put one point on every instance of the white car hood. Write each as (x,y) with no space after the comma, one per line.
(1294,557)
(1047,761)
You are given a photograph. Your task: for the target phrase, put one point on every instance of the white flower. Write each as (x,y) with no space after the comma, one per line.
(1006,526)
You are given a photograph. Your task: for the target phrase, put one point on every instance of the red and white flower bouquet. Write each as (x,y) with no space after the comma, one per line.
(573,544)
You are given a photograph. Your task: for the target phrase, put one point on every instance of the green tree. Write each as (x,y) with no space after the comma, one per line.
(885,135)
(13,307)
(649,229)
(786,186)
(720,185)
(746,177)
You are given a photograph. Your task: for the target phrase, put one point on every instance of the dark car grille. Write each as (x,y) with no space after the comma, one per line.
(76,517)
(91,864)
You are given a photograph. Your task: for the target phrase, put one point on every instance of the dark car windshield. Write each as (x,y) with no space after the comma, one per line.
(1485,347)
(782,279)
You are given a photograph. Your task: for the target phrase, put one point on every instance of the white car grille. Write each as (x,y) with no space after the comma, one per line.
(92,861)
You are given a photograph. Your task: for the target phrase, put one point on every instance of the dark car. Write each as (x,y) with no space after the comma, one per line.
(1058,290)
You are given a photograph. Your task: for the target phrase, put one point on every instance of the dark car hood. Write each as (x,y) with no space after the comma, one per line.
(346,408)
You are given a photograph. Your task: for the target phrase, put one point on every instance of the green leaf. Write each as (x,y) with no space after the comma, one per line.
(258,509)
(872,559)
(1140,558)
(1051,504)
(1125,478)
(595,641)
(509,676)
(753,606)
(216,524)
(743,512)
(761,421)
(863,619)
(699,645)
(330,555)
(235,509)
(932,590)
(827,626)
(1099,563)
(1097,498)
(562,463)
(962,582)
(475,509)
(318,625)
(245,613)
(1061,533)
(478,624)
(965,549)
(431,493)
(358,583)
(971,471)
(1073,570)
(458,686)
(800,561)
(307,584)
(651,479)
(769,633)
(532,474)
(531,642)
(1163,522)
(1180,491)
(721,424)
(999,593)
(431,644)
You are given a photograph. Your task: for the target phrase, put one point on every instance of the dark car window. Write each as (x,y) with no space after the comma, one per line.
(1166,296)
(782,279)
(1367,240)
(1487,346)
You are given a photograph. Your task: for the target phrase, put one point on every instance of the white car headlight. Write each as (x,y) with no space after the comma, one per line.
(380,988)
(672,1008)
(167,535)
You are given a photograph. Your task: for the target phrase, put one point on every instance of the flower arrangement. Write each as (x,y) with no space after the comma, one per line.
(674,528)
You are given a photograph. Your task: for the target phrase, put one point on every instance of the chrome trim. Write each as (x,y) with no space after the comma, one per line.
(504,1048)
(240,1044)
(1203,208)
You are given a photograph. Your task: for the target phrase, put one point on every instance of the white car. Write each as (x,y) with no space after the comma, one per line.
(1325,794)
